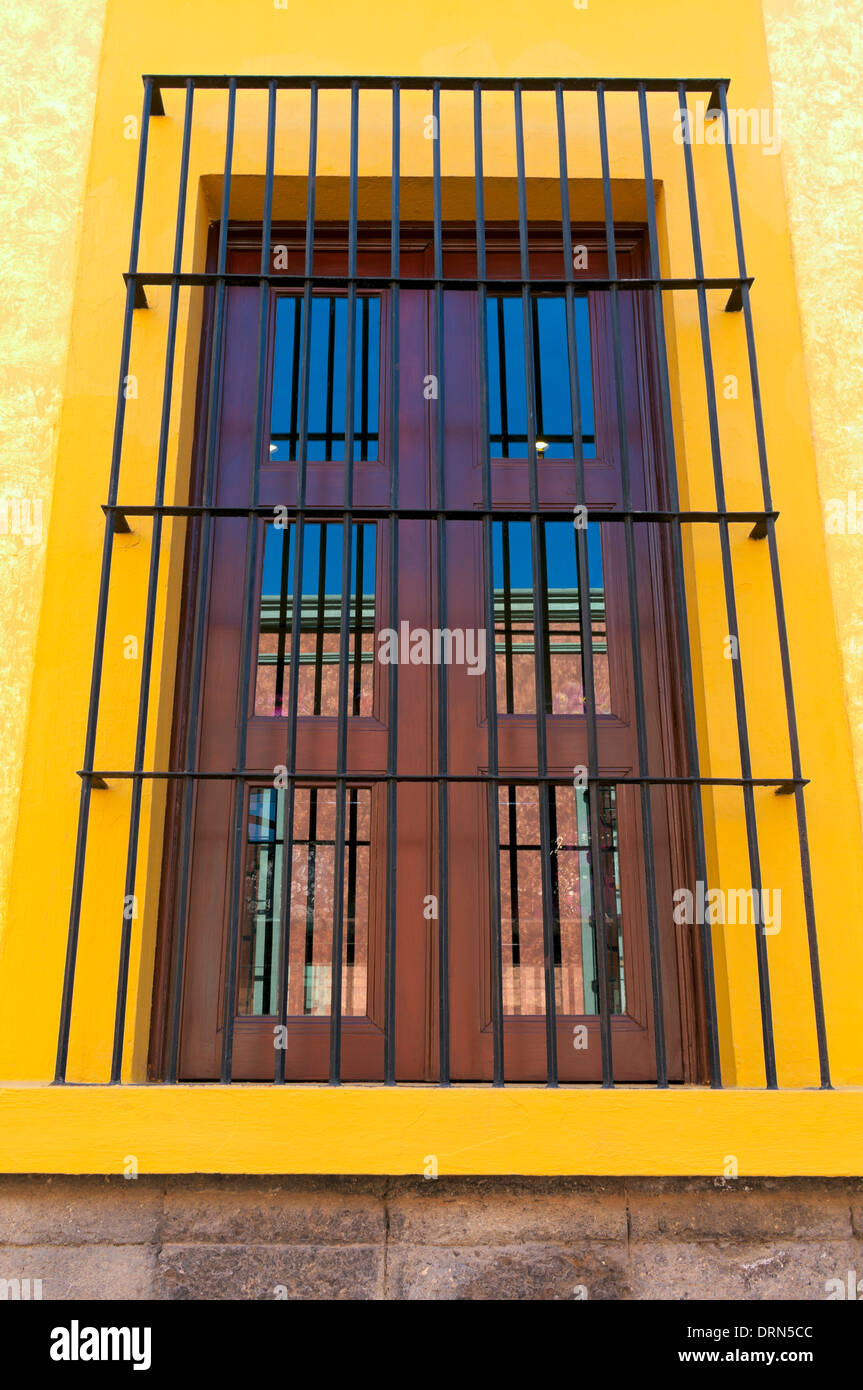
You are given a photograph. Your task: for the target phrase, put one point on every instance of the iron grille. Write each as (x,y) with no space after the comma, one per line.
(118,515)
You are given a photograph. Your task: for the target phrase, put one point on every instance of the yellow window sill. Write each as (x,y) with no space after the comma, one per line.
(424,1129)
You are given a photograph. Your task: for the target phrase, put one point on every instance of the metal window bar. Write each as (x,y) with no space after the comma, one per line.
(296,608)
(680,601)
(492,799)
(102,607)
(653,907)
(392,682)
(779,603)
(253,530)
(150,615)
(540,660)
(203,564)
(731,611)
(441,551)
(584,611)
(202,517)
(347,538)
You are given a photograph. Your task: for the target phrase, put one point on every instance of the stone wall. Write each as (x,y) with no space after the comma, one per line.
(450,1238)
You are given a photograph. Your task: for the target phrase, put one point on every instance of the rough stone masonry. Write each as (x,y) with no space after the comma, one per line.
(450,1238)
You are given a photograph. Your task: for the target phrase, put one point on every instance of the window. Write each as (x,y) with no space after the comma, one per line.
(328,354)
(448,442)
(320,619)
(575,977)
(373,696)
(309,954)
(507,385)
(515,646)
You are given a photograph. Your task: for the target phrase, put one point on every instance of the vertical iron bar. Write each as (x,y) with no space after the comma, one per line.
(331,351)
(279,693)
(509,680)
(441,537)
(784,650)
(555,875)
(102,611)
(731,610)
(673,500)
(323,533)
(546,620)
(344,626)
(295,372)
(311,894)
(364,381)
(585,616)
(253,529)
(539,643)
(296,614)
(537,365)
(501,361)
(356,702)
(203,579)
(392,671)
(512,855)
(350,940)
(493,794)
(150,612)
(634,623)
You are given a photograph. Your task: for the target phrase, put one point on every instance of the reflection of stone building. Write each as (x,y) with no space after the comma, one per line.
(319,656)
(310,921)
(514,647)
(521,902)
(521,870)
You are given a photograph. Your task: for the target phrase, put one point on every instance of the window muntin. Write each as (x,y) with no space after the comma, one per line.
(327,378)
(507,389)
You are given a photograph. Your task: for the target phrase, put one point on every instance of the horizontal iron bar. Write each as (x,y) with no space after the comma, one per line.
(432,514)
(101,776)
(203,278)
(216,81)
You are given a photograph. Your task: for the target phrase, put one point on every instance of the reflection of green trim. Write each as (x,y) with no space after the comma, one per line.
(562,608)
(312,658)
(562,604)
(332,613)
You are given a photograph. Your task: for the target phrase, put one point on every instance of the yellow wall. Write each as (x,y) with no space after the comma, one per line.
(668,39)
(50,64)
(816,57)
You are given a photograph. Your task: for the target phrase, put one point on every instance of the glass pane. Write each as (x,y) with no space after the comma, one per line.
(507,381)
(558,588)
(312,896)
(320,620)
(327,378)
(575,984)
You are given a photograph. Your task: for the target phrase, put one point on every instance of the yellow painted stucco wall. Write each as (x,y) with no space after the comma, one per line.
(556,40)
(48,71)
(816,58)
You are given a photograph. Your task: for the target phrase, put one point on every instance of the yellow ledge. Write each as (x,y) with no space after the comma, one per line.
(417,1129)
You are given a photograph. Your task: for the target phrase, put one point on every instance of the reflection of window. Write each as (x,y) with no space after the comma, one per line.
(507,389)
(328,348)
(320,619)
(575,982)
(558,587)
(313,862)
